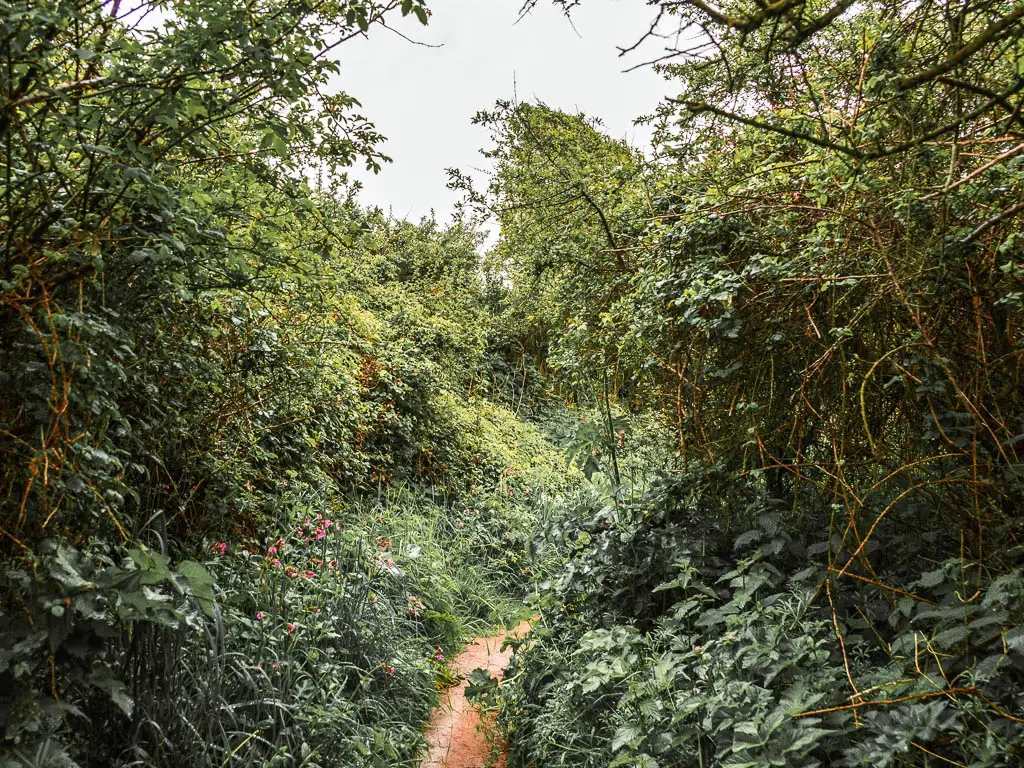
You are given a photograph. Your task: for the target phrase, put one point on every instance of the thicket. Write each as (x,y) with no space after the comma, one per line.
(255,476)
(817,283)
(266,455)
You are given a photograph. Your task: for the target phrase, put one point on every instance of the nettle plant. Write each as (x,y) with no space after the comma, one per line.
(679,637)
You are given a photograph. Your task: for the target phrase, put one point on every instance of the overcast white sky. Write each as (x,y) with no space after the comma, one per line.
(422,99)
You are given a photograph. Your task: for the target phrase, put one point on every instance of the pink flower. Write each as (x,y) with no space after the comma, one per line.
(259,616)
(461,523)
(220,548)
(309,574)
(291,628)
(389,669)
(272,551)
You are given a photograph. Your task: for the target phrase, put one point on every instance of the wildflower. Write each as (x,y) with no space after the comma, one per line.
(309,574)
(593,453)
(272,550)
(332,563)
(259,616)
(389,669)
(277,563)
(697,648)
(220,548)
(415,606)
(291,628)
(461,523)
(275,666)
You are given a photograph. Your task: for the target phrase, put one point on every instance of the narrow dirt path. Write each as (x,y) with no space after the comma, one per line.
(457,735)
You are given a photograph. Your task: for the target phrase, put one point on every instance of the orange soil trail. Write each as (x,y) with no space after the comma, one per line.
(457,736)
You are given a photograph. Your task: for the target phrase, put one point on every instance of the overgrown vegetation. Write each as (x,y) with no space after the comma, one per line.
(741,421)
(252,479)
(817,284)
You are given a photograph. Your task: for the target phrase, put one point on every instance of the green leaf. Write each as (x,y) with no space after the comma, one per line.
(628,734)
(201,584)
(932,578)
(103,679)
(1014,639)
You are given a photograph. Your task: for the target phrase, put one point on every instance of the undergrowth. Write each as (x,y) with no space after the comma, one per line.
(698,626)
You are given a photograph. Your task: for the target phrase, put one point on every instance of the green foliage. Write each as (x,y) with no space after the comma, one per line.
(68,607)
(671,641)
(201,354)
(264,458)
(812,283)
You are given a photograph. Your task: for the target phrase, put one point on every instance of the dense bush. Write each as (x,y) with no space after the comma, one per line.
(696,626)
(266,456)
